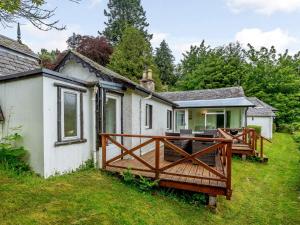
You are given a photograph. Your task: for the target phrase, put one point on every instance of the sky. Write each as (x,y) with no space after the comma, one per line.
(180,23)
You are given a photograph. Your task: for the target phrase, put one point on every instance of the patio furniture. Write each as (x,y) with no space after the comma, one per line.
(186,132)
(208,158)
(170,154)
(233,132)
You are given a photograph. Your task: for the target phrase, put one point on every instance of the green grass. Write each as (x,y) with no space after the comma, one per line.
(262,194)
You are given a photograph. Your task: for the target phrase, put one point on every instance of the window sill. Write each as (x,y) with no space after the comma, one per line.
(70,142)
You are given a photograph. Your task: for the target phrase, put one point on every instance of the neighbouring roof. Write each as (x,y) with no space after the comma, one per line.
(15,57)
(261,108)
(14,45)
(205,94)
(220,97)
(105,74)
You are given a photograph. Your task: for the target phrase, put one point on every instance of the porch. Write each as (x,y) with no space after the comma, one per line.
(189,172)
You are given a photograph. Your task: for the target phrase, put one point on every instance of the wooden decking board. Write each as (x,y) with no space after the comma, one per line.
(185,168)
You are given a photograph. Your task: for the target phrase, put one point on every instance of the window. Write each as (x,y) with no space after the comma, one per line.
(148,119)
(69,115)
(111,115)
(169,119)
(1,115)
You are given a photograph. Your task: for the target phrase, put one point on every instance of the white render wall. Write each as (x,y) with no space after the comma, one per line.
(266,124)
(22,104)
(64,158)
(134,118)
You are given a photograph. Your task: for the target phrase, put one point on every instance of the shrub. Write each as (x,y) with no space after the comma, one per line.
(296,137)
(286,128)
(256,128)
(128,176)
(13,156)
(146,184)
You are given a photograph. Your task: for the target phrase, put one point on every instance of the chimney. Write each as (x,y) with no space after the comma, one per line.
(147,81)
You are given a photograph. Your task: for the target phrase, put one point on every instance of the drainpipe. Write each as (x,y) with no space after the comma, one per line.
(140,117)
(95,151)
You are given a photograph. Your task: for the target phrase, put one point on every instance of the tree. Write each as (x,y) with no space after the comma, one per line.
(164,61)
(31,10)
(49,58)
(132,56)
(121,14)
(205,67)
(96,48)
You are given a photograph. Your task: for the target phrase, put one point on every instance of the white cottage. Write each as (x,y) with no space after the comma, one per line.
(62,112)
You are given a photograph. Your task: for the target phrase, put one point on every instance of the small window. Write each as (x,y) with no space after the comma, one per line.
(169,120)
(70,116)
(148,118)
(1,115)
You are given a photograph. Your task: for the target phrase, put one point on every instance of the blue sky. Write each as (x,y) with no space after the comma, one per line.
(182,23)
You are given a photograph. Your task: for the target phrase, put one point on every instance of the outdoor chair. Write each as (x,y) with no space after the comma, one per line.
(170,154)
(208,158)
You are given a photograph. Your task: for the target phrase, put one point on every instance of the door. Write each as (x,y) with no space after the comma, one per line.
(179,120)
(112,110)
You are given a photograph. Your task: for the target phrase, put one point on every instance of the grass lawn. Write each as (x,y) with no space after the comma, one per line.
(262,194)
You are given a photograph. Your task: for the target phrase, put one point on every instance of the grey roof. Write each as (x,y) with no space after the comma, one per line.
(261,108)
(14,45)
(15,57)
(215,103)
(108,74)
(205,94)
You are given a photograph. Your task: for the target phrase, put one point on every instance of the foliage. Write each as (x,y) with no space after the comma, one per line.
(296,137)
(128,176)
(132,56)
(262,194)
(87,165)
(120,15)
(286,128)
(49,58)
(273,78)
(12,155)
(164,61)
(146,184)
(96,48)
(256,128)
(32,10)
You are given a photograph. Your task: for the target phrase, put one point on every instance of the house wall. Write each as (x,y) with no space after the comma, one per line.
(266,124)
(22,105)
(65,158)
(134,118)
(73,69)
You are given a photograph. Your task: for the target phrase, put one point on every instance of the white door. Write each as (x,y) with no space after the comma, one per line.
(112,111)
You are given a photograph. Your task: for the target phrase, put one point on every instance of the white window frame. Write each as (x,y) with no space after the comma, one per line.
(169,120)
(148,118)
(64,138)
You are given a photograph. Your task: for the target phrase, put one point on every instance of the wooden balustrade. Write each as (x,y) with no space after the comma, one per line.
(217,176)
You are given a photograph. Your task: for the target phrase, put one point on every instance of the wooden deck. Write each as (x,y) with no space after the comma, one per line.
(188,173)
(246,143)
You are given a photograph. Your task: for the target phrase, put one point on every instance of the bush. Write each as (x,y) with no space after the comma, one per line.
(286,128)
(256,128)
(296,137)
(13,156)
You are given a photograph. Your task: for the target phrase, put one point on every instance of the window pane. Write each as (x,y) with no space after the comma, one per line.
(111,115)
(180,120)
(70,114)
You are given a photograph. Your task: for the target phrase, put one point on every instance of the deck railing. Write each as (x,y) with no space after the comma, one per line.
(222,146)
(249,137)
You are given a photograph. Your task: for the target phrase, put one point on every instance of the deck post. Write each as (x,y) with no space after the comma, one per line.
(228,172)
(212,201)
(261,148)
(157,155)
(103,141)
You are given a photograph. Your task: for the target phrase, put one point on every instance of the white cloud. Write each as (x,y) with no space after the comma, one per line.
(266,7)
(280,39)
(50,40)
(157,38)
(94,3)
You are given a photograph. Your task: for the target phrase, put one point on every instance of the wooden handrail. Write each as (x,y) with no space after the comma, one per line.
(222,146)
